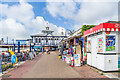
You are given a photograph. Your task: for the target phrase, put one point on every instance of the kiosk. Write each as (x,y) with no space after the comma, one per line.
(103,46)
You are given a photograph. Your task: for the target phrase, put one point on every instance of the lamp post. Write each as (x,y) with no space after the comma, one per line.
(13,41)
(7,40)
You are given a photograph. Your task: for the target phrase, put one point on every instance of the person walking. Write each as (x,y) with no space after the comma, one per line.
(47,51)
(42,50)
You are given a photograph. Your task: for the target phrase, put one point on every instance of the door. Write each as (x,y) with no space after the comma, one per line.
(94,51)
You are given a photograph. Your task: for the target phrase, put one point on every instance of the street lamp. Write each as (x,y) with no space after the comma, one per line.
(7,40)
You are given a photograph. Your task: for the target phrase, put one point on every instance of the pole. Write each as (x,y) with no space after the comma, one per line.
(7,40)
(30,47)
(14,48)
(13,41)
(18,47)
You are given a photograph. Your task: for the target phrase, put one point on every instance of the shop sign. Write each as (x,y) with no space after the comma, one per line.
(110,43)
(100,44)
(77,59)
(89,45)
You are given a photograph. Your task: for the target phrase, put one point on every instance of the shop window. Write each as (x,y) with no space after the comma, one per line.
(89,45)
(100,44)
(110,43)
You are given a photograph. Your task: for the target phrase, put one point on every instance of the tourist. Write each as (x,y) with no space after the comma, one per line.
(47,51)
(42,51)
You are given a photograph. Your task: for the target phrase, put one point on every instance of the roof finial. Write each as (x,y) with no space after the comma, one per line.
(47,28)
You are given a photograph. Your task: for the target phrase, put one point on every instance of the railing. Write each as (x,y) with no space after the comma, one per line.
(6,60)
(47,44)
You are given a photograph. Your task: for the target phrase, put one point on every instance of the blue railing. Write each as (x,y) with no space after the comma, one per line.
(6,60)
(47,44)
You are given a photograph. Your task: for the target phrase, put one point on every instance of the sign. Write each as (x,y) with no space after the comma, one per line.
(35,53)
(77,60)
(68,60)
(89,45)
(100,44)
(31,55)
(110,43)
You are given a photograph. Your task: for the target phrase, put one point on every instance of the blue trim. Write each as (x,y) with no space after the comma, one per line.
(22,40)
(30,47)
(83,39)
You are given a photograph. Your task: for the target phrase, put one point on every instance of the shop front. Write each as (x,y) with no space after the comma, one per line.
(103,46)
(74,52)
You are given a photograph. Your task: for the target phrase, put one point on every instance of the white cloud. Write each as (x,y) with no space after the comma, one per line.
(18,21)
(64,9)
(89,12)
(12,29)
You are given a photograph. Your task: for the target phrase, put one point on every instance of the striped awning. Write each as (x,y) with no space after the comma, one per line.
(103,27)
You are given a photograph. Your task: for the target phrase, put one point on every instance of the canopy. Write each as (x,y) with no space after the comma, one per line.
(103,27)
(37,47)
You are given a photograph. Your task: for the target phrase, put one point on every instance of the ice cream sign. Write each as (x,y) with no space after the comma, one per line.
(110,43)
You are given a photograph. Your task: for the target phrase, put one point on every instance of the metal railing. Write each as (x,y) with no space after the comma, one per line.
(6,60)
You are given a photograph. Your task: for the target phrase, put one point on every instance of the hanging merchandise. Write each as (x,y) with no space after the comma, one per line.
(70,50)
(85,56)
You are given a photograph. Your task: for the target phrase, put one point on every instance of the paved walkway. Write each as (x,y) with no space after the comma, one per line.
(50,66)
(44,66)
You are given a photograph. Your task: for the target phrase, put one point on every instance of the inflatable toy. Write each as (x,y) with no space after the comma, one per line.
(13,58)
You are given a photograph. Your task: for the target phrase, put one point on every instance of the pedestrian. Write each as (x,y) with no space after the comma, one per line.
(47,51)
(42,50)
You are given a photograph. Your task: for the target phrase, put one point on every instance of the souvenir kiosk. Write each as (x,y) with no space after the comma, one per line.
(103,46)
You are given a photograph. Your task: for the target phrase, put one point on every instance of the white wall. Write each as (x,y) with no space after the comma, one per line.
(103,62)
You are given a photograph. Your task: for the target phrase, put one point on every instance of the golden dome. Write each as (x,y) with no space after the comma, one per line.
(47,27)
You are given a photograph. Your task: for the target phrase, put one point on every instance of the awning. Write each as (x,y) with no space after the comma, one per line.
(103,27)
(37,47)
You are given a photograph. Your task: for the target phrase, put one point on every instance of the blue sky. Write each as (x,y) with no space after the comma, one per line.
(39,9)
(21,19)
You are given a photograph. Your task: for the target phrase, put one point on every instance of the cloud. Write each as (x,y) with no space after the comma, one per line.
(64,9)
(17,21)
(85,12)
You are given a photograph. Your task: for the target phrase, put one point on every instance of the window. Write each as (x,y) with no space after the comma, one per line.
(110,43)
